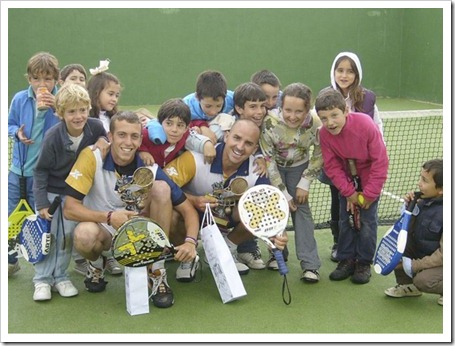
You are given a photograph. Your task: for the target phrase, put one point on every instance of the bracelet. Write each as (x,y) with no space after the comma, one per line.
(191,240)
(109,217)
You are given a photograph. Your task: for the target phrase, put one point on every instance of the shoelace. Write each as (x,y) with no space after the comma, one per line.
(159,282)
(95,274)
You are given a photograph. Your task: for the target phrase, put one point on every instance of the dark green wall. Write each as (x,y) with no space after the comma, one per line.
(158,53)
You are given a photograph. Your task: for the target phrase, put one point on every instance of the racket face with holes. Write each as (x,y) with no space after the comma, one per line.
(264,211)
(139,242)
(34,238)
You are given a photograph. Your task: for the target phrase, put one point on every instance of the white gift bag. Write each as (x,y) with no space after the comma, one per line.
(220,260)
(136,290)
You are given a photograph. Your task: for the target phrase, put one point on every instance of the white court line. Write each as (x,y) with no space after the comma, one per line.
(391,195)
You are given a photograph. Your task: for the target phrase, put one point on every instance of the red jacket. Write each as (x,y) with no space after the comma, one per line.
(157,150)
(361,140)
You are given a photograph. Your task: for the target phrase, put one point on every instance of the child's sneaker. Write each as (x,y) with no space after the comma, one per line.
(310,276)
(362,273)
(42,291)
(400,291)
(440,300)
(94,279)
(66,289)
(345,269)
(161,295)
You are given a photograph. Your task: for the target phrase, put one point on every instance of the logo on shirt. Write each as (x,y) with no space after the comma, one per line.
(171,171)
(76,174)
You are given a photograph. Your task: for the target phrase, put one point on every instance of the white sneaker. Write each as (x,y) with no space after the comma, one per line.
(310,276)
(42,291)
(440,300)
(66,289)
(252,259)
(186,272)
(400,291)
(241,268)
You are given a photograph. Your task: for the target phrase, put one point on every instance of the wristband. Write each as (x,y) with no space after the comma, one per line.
(109,217)
(191,240)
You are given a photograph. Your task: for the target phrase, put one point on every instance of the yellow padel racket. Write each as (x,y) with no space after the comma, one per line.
(139,242)
(20,213)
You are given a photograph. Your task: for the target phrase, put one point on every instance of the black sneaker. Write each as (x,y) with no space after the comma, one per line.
(162,296)
(94,279)
(362,273)
(344,269)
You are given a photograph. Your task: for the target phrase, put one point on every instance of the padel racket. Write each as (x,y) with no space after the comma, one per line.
(393,243)
(20,213)
(264,211)
(139,242)
(355,216)
(35,237)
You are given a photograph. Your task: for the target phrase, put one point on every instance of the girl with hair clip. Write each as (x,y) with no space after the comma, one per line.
(104,90)
(346,77)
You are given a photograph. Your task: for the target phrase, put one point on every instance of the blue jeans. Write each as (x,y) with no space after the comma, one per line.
(358,245)
(305,244)
(14,197)
(53,268)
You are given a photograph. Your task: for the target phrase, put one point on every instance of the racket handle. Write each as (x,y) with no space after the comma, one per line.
(23,187)
(53,207)
(282,268)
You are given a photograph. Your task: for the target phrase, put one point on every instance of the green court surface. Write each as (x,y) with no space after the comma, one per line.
(327,307)
(328,310)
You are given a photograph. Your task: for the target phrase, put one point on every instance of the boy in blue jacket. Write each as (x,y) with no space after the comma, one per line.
(27,126)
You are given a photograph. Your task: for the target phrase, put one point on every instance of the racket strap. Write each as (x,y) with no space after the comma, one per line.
(285,291)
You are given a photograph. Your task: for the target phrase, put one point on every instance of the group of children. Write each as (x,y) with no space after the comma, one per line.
(299,143)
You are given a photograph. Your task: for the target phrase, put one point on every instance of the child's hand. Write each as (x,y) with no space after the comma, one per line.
(47,98)
(261,167)
(44,213)
(292,206)
(409,197)
(280,241)
(208,133)
(196,129)
(209,152)
(21,136)
(103,145)
(147,158)
(301,196)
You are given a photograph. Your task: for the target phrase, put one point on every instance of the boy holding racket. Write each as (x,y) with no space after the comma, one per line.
(27,126)
(61,146)
(93,201)
(421,268)
(345,136)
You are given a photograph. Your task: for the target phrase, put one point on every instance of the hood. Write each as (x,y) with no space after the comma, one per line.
(356,60)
